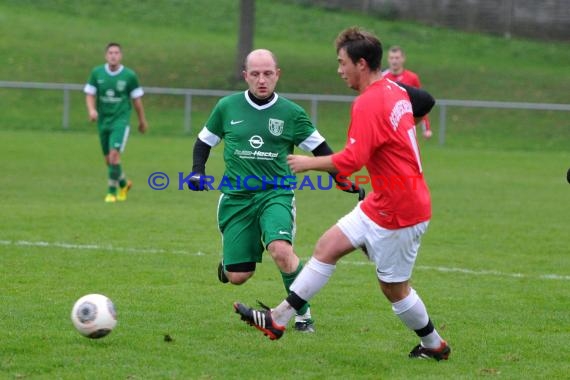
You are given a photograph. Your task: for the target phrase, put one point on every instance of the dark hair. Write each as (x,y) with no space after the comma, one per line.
(396,49)
(358,44)
(111,44)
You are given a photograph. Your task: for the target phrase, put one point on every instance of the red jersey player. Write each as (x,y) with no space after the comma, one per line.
(390,222)
(397,73)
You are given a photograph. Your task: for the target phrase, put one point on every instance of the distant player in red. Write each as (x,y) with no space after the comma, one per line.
(397,73)
(390,222)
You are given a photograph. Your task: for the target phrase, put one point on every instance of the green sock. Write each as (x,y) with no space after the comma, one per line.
(122,177)
(114,172)
(288,279)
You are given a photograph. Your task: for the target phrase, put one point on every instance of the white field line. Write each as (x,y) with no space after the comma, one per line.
(45,244)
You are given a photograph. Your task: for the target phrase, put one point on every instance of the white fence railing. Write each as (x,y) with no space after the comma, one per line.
(314,100)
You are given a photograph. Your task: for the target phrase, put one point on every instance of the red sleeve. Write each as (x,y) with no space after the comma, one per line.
(415,80)
(363,138)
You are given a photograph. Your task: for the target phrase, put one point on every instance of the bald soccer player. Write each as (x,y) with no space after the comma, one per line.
(256,210)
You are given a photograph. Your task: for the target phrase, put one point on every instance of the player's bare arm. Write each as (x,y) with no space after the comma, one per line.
(91,109)
(143,125)
(342,183)
(299,164)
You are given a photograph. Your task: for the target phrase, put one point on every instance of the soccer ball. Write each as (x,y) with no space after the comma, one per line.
(94,316)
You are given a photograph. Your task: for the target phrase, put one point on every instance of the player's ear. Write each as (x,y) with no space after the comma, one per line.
(361,64)
(278,72)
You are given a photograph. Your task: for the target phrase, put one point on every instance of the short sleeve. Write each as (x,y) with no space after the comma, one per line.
(91,85)
(213,131)
(306,135)
(135,90)
(416,80)
(363,139)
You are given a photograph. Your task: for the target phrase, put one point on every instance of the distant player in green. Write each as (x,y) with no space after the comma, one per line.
(256,210)
(109,92)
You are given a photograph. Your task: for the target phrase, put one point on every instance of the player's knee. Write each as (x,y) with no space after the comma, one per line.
(114,157)
(322,250)
(282,253)
(332,246)
(280,250)
(239,273)
(395,291)
(238,278)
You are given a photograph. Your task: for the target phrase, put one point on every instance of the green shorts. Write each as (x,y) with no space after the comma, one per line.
(113,136)
(248,223)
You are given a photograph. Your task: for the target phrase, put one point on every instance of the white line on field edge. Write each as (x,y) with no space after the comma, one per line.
(45,244)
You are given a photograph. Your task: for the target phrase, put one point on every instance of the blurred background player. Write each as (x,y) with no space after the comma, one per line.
(260,128)
(109,92)
(390,222)
(397,73)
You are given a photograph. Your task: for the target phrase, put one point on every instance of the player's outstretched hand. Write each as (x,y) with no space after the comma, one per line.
(298,164)
(427,134)
(196,184)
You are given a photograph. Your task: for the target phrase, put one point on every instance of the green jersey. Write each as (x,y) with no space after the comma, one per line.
(257,140)
(113,91)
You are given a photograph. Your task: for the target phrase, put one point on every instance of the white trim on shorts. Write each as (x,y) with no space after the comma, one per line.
(125,138)
(218,217)
(393,251)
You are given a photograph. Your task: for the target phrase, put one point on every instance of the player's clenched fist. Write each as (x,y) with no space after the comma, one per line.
(298,164)
(143,126)
(93,115)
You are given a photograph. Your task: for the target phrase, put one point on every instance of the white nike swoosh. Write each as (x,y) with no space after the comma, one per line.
(284,233)
(234,122)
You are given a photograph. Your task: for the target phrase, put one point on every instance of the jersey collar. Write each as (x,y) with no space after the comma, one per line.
(265,106)
(113,73)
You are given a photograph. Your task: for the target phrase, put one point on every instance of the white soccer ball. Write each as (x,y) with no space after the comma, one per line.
(94,316)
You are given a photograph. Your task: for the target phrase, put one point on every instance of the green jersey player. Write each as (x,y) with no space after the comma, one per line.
(109,92)
(256,210)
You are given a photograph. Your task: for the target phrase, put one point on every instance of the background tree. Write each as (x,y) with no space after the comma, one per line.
(245,36)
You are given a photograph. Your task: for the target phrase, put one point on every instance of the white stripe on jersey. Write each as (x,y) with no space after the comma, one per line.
(208,137)
(311,142)
(90,89)
(137,93)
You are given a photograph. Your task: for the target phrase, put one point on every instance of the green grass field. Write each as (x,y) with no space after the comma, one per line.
(493,268)
(493,271)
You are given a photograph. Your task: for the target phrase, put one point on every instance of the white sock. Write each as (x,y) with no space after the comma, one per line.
(412,311)
(283,313)
(313,277)
(304,317)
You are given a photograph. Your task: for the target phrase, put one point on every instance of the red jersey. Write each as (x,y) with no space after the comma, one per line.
(406,77)
(382,137)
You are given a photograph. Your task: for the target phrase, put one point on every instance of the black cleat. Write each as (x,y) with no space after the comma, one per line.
(306,326)
(260,319)
(420,352)
(222,274)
